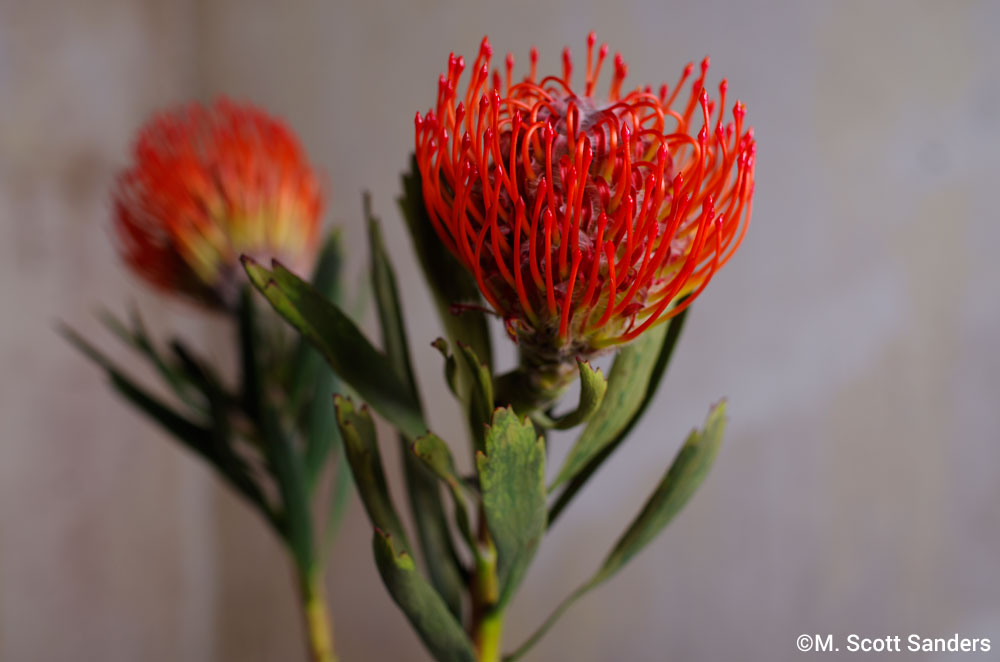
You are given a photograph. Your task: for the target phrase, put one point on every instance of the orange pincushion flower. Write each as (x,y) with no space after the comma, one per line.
(585,220)
(207,185)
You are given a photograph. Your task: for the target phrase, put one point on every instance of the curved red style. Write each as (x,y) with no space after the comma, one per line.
(585,219)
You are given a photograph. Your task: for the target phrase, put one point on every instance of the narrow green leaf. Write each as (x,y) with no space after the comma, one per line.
(674,328)
(682,479)
(194,436)
(286,466)
(437,457)
(361,445)
(512,480)
(481,393)
(449,281)
(627,385)
(307,363)
(422,488)
(340,491)
(369,372)
(675,489)
(450,365)
(592,389)
(428,614)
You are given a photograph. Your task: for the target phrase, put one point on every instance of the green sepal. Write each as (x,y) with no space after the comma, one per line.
(436,626)
(512,482)
(593,386)
(422,489)
(369,372)
(686,473)
(627,384)
(673,334)
(449,281)
(361,445)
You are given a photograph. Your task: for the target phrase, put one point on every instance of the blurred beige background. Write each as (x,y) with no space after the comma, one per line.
(855,334)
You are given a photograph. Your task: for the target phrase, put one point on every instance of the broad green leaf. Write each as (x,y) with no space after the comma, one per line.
(675,489)
(428,614)
(437,457)
(369,372)
(627,384)
(512,481)
(422,488)
(580,479)
(450,282)
(592,389)
(361,445)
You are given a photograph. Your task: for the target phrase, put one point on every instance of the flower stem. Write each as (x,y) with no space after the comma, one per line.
(319,628)
(487,619)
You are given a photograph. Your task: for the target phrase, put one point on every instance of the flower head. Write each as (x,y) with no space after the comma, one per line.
(586,219)
(206,185)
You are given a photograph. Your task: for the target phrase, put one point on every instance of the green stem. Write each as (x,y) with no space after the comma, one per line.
(487,619)
(319,627)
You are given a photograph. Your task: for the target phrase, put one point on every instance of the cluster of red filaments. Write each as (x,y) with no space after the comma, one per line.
(208,184)
(584,220)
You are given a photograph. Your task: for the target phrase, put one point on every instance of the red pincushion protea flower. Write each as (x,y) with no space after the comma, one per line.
(585,220)
(207,185)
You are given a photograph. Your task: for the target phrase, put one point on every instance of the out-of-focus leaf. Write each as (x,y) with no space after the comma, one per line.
(592,389)
(369,372)
(512,480)
(358,432)
(427,612)
(675,489)
(197,437)
(449,281)
(580,479)
(627,386)
(286,465)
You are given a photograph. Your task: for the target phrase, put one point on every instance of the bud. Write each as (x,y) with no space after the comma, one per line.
(585,219)
(206,185)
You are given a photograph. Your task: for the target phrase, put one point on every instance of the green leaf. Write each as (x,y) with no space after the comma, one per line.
(627,386)
(592,389)
(481,393)
(428,614)
(307,364)
(361,445)
(512,480)
(450,365)
(421,485)
(437,457)
(449,281)
(675,489)
(682,479)
(580,479)
(286,466)
(369,372)
(195,436)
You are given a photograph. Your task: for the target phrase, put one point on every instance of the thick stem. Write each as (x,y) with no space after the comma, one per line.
(319,627)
